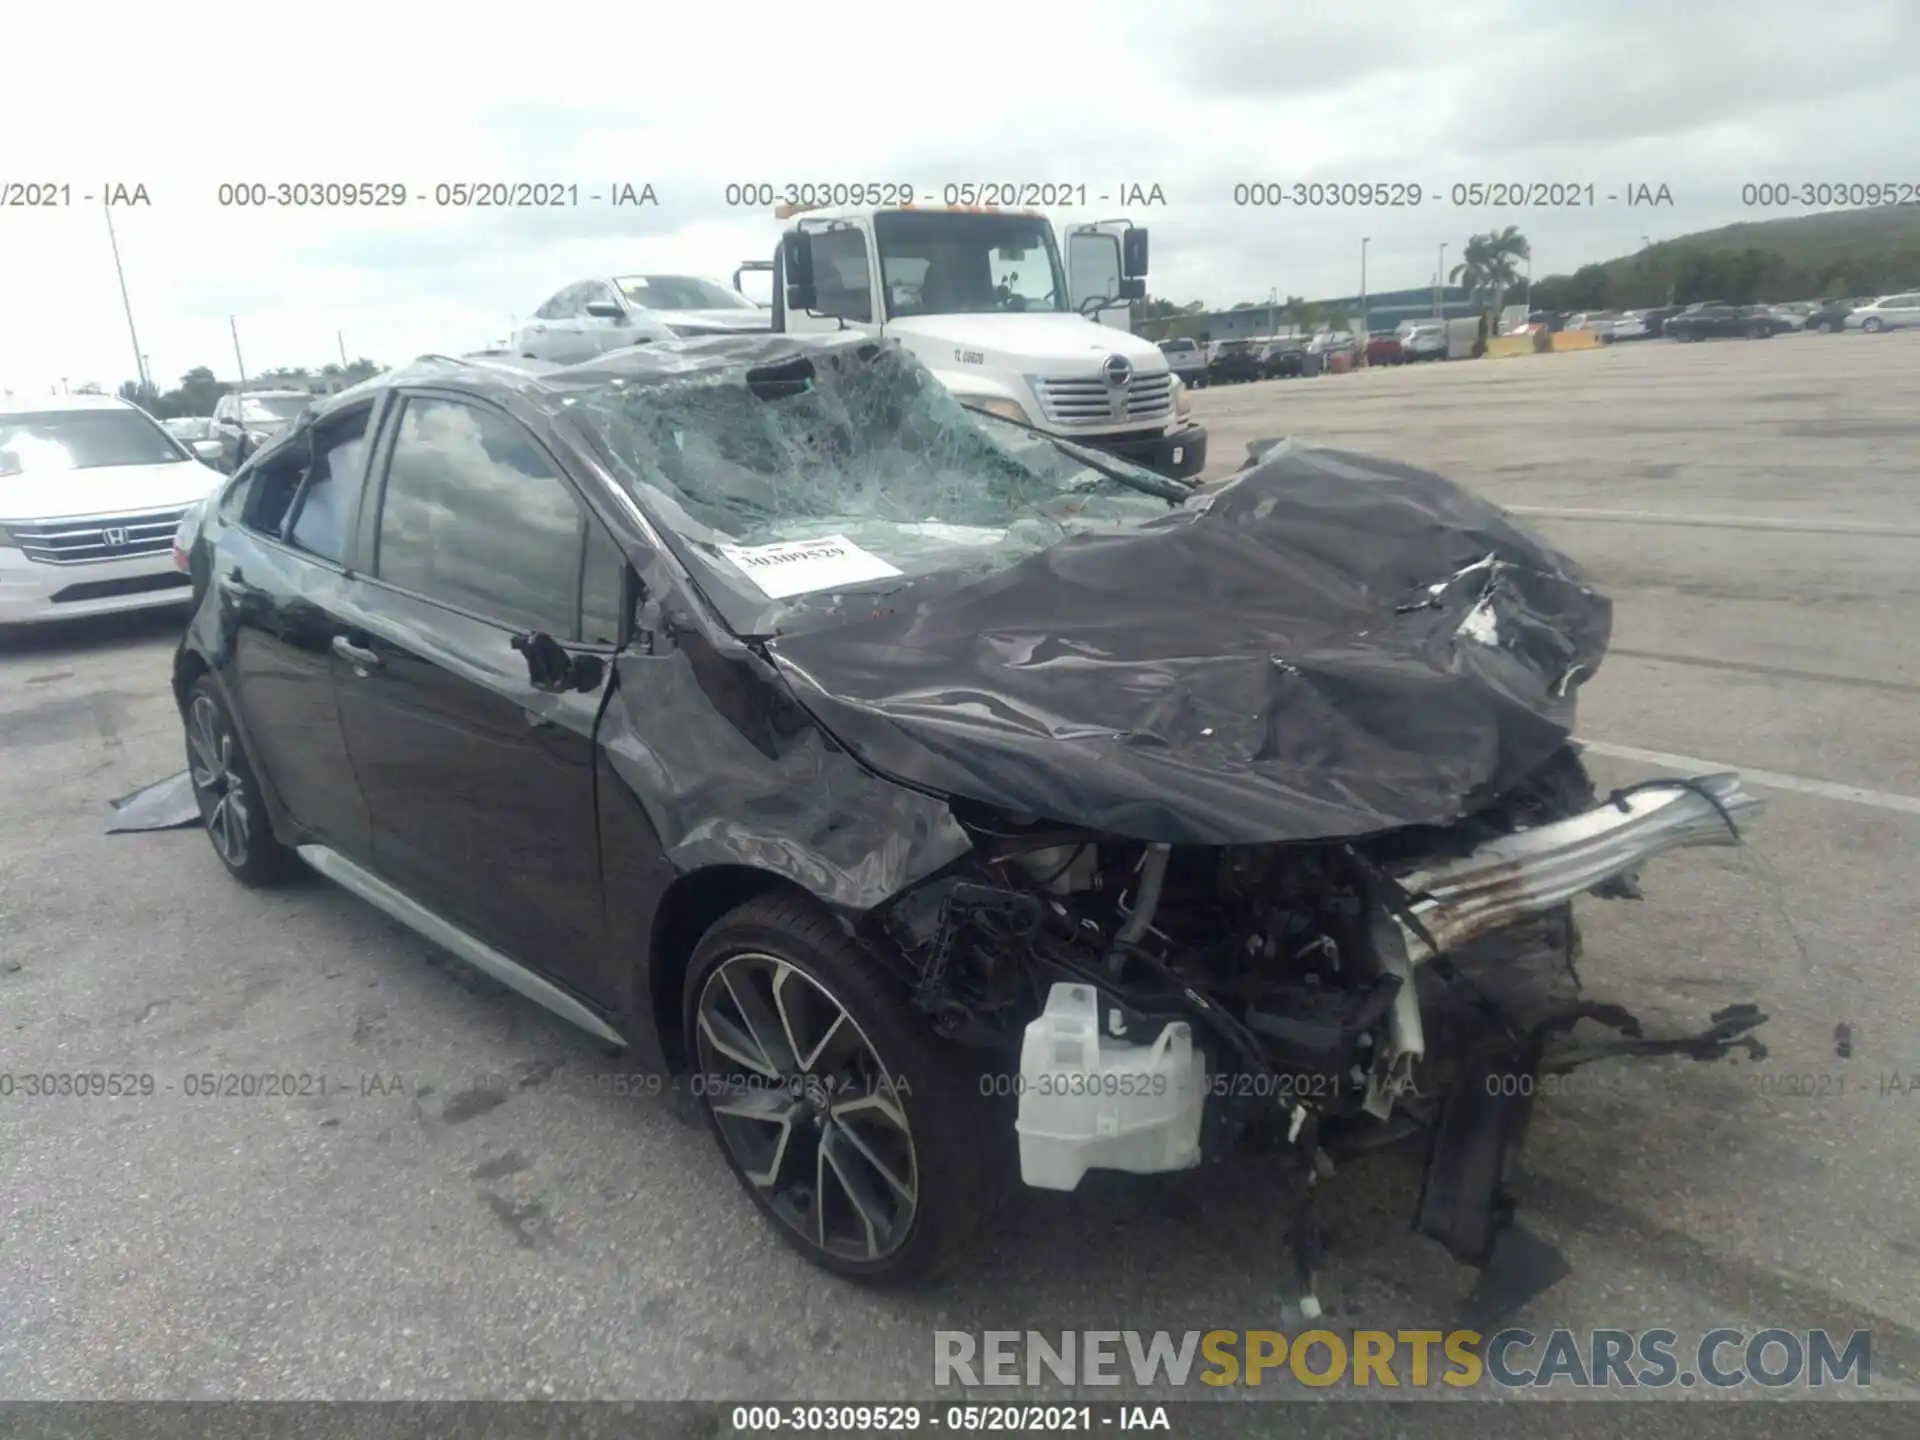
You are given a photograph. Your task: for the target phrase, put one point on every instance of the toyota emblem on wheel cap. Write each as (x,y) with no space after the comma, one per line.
(1118,370)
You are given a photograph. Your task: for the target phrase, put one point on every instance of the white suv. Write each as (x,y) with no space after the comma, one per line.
(91,491)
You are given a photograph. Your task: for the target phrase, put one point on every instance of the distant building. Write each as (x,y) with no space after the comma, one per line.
(1383,312)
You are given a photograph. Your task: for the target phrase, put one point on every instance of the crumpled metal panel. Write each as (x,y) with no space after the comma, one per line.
(1533,870)
(167,804)
(1325,645)
(758,784)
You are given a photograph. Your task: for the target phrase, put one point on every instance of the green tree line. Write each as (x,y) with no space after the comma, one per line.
(198,389)
(1681,274)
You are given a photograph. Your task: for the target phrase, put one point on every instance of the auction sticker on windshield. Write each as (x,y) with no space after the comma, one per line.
(800,567)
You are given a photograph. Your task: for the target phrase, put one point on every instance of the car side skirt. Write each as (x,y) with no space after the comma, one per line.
(444,933)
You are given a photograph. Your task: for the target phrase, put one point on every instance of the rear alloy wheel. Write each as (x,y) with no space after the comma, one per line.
(229,797)
(845,1119)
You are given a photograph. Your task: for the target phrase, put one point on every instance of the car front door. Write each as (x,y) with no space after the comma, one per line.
(280,573)
(480,784)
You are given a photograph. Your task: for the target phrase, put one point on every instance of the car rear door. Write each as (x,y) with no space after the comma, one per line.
(1902,311)
(481,785)
(281,574)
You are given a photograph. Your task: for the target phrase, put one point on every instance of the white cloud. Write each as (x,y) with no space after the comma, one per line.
(1193,98)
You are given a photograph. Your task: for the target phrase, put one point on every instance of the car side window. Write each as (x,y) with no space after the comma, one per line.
(324,519)
(276,478)
(552,309)
(475,515)
(602,588)
(572,302)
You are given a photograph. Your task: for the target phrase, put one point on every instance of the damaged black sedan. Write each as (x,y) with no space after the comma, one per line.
(929,793)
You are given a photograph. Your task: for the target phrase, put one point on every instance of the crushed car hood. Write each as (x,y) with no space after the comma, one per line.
(1325,646)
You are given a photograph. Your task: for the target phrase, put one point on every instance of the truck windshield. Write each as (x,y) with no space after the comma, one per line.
(939,262)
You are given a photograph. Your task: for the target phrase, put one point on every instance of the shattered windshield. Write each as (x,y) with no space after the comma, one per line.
(849,467)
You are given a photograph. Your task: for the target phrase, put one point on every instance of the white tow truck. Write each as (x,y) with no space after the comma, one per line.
(986,300)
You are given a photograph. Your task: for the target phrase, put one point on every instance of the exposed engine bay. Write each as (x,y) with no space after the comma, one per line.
(1341,994)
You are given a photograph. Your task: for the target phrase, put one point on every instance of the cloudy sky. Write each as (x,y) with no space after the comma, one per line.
(1194,98)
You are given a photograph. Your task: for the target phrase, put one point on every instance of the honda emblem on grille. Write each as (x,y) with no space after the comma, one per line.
(115,536)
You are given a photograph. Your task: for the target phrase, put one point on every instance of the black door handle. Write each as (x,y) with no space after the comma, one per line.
(357,654)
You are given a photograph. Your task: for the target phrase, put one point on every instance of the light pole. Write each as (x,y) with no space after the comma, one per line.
(340,339)
(139,360)
(1366,322)
(1439,279)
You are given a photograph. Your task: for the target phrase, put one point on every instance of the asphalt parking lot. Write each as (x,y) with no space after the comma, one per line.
(425,1231)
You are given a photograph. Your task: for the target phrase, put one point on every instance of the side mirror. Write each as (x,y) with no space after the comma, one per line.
(605,310)
(1133,288)
(552,670)
(1133,259)
(796,259)
(207,449)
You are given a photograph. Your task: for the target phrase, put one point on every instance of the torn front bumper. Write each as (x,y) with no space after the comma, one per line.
(1506,880)
(1533,870)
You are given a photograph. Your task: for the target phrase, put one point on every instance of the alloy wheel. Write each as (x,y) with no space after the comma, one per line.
(806,1108)
(221,790)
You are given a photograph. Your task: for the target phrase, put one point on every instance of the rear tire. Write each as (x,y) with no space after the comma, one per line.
(860,1135)
(231,806)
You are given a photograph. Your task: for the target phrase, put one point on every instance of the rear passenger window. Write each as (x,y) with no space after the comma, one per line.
(476,516)
(325,516)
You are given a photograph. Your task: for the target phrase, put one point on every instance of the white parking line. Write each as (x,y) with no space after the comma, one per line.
(1718,522)
(1773,779)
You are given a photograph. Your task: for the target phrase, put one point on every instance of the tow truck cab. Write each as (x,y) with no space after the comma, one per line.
(986,300)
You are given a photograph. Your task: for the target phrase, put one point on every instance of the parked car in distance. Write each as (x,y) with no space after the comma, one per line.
(1831,315)
(1283,359)
(1329,342)
(591,317)
(1630,325)
(1793,314)
(613,681)
(1383,348)
(92,490)
(1724,321)
(1656,319)
(1186,359)
(243,422)
(197,432)
(1422,340)
(1233,361)
(1600,322)
(1889,312)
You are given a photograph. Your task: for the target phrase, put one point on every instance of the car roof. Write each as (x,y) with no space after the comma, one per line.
(551,388)
(57,404)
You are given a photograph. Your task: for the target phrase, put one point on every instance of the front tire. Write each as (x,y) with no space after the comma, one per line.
(858,1134)
(230,801)
(1872,325)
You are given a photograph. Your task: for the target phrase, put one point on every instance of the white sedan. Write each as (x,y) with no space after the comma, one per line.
(91,493)
(1889,312)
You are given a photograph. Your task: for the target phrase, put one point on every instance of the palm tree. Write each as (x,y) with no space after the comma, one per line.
(1487,268)
(1301,313)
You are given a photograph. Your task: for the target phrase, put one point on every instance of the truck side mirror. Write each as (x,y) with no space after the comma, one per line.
(1133,288)
(796,258)
(1133,259)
